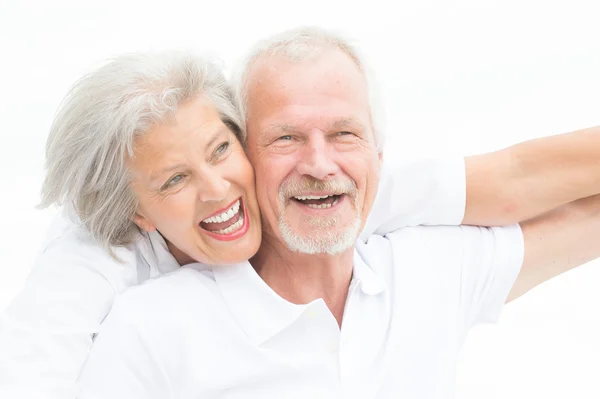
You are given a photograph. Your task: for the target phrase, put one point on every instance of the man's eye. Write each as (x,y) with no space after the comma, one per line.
(344,133)
(285,138)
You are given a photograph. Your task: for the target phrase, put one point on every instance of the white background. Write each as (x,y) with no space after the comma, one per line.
(457,76)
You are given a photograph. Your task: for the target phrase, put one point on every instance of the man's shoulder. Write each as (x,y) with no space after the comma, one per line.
(410,246)
(406,249)
(427,236)
(412,232)
(415,237)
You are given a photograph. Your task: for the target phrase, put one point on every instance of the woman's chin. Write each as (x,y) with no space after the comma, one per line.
(206,249)
(237,252)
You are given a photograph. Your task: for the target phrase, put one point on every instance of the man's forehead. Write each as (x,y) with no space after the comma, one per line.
(275,69)
(305,84)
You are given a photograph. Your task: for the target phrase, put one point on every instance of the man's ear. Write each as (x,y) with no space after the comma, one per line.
(143,223)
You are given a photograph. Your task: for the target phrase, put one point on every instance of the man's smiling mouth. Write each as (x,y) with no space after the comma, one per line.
(318,201)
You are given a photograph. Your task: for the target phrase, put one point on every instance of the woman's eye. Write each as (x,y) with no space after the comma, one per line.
(173,180)
(222,148)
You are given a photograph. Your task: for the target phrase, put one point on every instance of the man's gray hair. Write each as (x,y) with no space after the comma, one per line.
(94,130)
(298,45)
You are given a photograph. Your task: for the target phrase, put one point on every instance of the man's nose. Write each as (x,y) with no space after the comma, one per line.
(213,187)
(316,158)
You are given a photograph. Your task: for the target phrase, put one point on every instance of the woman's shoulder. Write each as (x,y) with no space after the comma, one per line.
(71,250)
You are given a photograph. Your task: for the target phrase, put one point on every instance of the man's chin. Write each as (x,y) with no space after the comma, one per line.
(319,240)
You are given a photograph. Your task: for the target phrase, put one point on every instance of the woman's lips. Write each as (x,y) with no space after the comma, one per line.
(231,229)
(215,227)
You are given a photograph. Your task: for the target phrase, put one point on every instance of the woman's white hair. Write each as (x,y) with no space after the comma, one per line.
(93,133)
(298,45)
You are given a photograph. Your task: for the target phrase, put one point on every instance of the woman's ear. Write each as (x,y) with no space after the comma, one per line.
(143,223)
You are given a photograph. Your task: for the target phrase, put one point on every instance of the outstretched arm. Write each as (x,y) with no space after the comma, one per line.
(499,188)
(558,241)
(533,177)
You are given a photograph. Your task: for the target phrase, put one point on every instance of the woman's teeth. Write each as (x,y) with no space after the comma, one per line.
(225,216)
(231,228)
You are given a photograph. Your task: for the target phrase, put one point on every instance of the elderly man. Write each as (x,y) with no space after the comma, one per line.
(315,313)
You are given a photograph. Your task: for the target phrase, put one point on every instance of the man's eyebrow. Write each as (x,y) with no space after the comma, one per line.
(347,122)
(276,128)
(280,128)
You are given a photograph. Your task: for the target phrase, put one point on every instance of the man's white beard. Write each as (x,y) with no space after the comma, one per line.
(322,241)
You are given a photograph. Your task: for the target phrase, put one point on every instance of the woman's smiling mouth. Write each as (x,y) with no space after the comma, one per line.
(227,224)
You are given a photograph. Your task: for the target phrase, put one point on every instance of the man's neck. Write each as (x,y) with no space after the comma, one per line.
(301,278)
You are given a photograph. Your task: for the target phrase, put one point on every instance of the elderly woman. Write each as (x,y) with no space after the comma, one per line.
(146,159)
(149,143)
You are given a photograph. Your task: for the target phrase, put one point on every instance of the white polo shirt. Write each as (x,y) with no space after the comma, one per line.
(221,332)
(47,331)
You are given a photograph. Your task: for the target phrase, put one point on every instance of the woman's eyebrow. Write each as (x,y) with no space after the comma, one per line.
(215,136)
(158,173)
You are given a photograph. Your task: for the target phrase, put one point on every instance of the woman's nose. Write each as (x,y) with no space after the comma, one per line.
(213,188)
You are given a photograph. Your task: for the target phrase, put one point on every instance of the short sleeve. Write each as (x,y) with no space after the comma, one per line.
(122,363)
(492,260)
(426,192)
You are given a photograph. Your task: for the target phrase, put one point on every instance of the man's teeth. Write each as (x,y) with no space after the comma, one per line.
(231,228)
(312,197)
(323,206)
(225,216)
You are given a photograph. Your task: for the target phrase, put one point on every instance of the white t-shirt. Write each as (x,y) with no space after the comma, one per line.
(217,332)
(47,331)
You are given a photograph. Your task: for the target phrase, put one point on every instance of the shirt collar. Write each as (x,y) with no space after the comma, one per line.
(152,247)
(259,310)
(369,282)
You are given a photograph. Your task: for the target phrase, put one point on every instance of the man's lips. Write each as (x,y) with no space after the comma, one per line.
(323,202)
